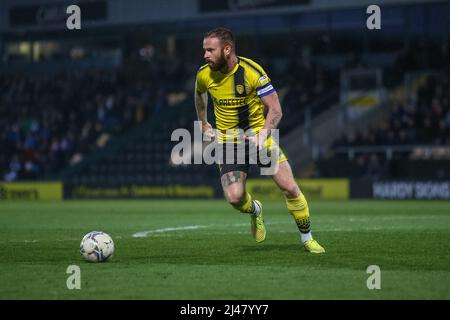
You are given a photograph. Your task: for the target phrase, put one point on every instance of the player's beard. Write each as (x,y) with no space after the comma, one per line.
(220,64)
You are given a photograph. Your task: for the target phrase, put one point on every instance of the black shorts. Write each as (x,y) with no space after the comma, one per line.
(244,164)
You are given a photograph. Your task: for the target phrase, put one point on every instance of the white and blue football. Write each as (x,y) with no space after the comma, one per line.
(97,246)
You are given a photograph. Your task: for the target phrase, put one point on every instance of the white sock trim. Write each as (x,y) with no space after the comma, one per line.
(306,236)
(256,208)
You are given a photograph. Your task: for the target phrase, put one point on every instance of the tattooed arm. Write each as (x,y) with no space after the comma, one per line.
(274,114)
(273,118)
(201,102)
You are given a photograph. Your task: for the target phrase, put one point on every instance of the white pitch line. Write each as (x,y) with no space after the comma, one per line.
(143,234)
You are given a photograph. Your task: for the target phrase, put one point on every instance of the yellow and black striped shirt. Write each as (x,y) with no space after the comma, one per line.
(236,95)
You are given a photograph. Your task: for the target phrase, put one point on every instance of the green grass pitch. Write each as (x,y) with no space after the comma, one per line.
(202,249)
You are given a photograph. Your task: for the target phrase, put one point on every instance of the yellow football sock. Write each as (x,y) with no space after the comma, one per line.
(298,207)
(247,204)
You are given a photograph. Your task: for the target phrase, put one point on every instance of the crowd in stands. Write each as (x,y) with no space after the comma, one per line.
(303,82)
(421,54)
(50,120)
(423,120)
(47,121)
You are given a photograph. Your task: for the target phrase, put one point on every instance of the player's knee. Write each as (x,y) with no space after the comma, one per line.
(236,201)
(235,198)
(291,191)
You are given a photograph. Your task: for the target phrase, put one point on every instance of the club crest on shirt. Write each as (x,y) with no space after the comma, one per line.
(240,89)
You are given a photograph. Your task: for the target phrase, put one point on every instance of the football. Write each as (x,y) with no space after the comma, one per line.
(97,246)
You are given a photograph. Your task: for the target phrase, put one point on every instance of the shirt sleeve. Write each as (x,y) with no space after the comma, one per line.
(200,85)
(263,86)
